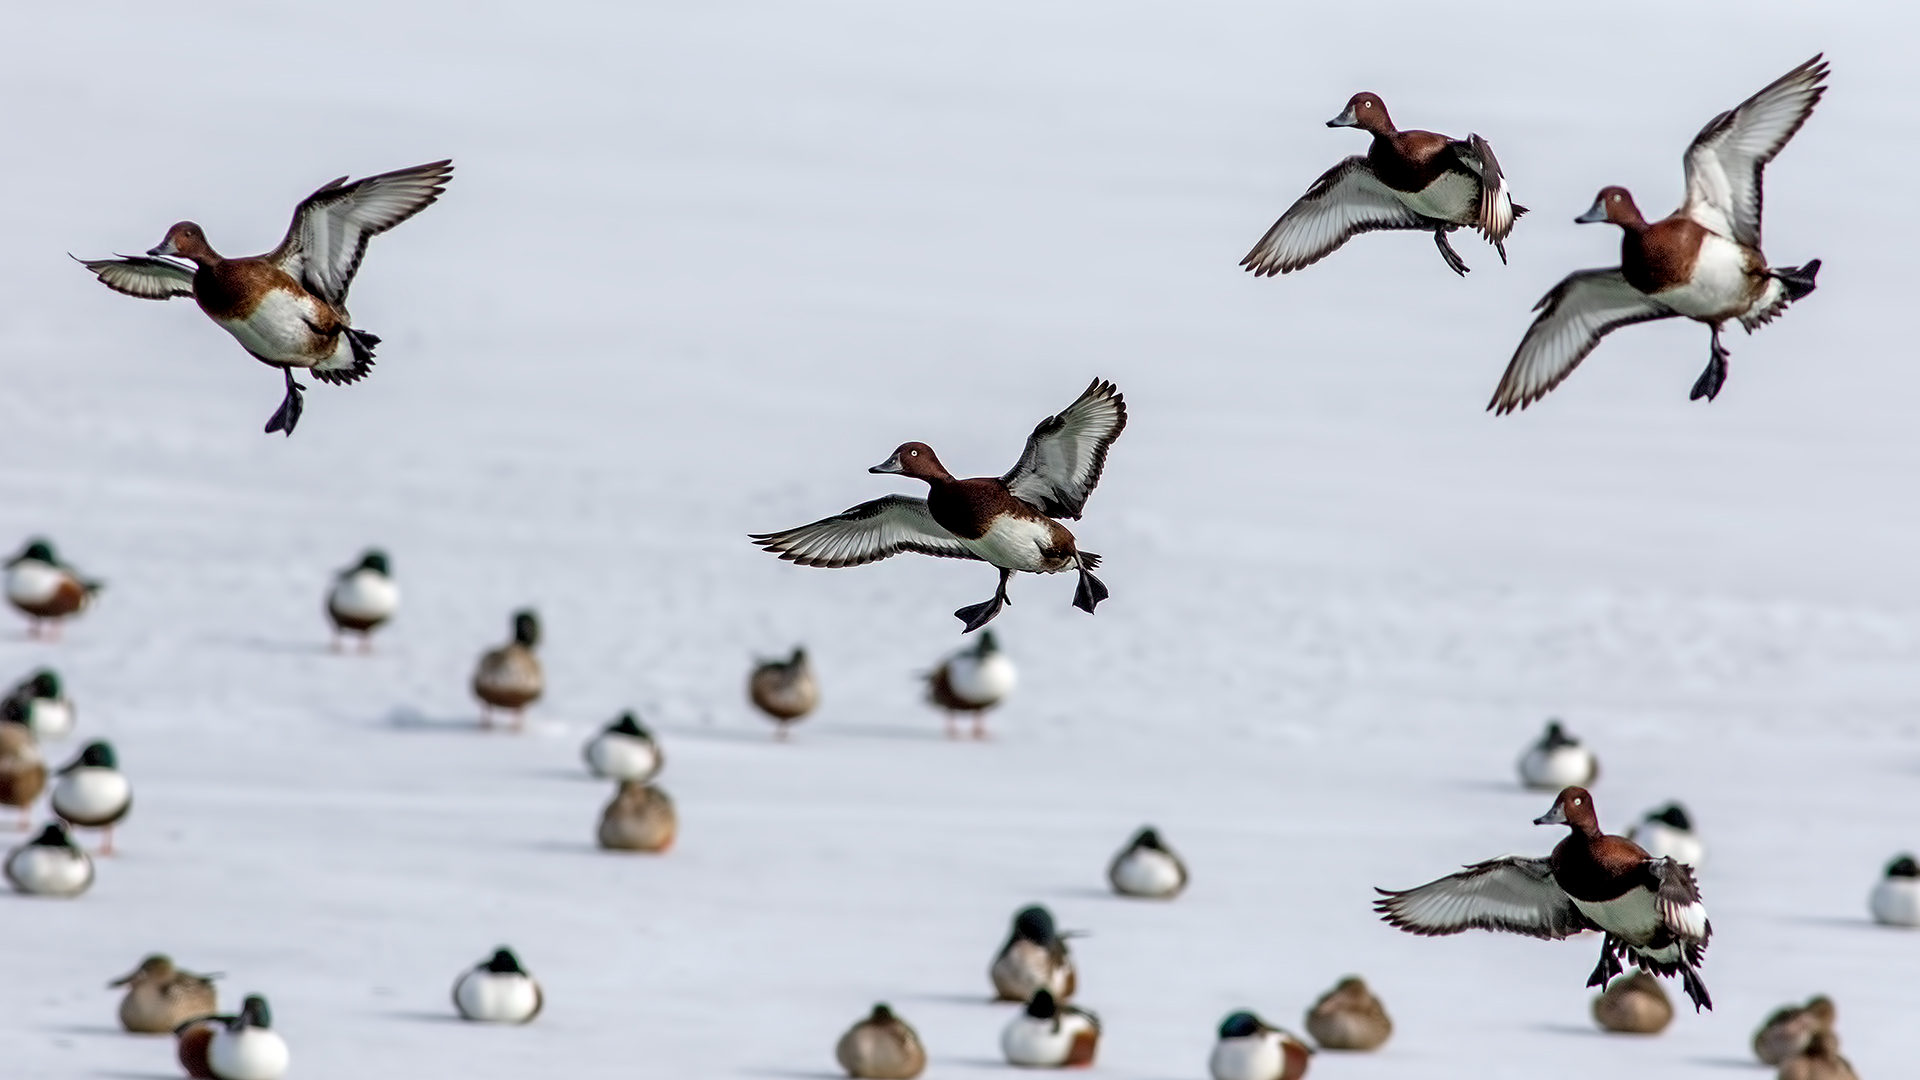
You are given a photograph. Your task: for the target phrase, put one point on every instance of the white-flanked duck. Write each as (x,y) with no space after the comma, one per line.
(786,690)
(287,308)
(1648,908)
(161,997)
(46,590)
(1049,1034)
(245,1047)
(973,681)
(1791,1029)
(881,1047)
(1007,521)
(1034,958)
(1147,867)
(41,704)
(362,599)
(23,772)
(1896,898)
(1557,761)
(509,677)
(51,864)
(93,793)
(497,991)
(1634,1005)
(1668,833)
(1251,1049)
(1703,261)
(1821,1060)
(624,750)
(1349,1017)
(640,818)
(1406,180)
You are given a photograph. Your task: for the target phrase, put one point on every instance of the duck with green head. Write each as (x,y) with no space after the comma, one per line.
(362,599)
(93,793)
(46,590)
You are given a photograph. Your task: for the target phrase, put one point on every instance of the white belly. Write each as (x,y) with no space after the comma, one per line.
(1720,287)
(616,756)
(1896,901)
(33,582)
(981,682)
(1551,770)
(1454,197)
(1250,1057)
(50,718)
(1025,968)
(1146,872)
(50,871)
(496,997)
(1664,841)
(1016,544)
(365,596)
(251,1054)
(1041,1043)
(1632,918)
(91,796)
(279,330)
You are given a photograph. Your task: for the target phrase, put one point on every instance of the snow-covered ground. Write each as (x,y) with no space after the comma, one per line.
(700,266)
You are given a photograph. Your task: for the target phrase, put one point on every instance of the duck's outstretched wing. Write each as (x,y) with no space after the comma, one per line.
(143,276)
(1066,453)
(1725,160)
(1511,893)
(867,533)
(1585,307)
(1497,211)
(1346,201)
(331,227)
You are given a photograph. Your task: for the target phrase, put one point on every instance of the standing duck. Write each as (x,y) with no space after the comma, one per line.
(1702,262)
(92,792)
(1821,1060)
(1790,1030)
(1147,868)
(362,599)
(50,865)
(1649,908)
(1896,899)
(509,677)
(161,997)
(784,689)
(1349,1017)
(640,818)
(287,308)
(39,703)
(1668,832)
(1405,180)
(1557,761)
(1635,1005)
(23,772)
(881,1047)
(245,1047)
(1007,521)
(973,680)
(1050,1035)
(1250,1049)
(498,991)
(624,750)
(46,590)
(1034,958)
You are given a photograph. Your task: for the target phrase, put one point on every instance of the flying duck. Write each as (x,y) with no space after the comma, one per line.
(287,308)
(1005,521)
(38,703)
(624,750)
(92,793)
(1668,832)
(973,680)
(1050,1035)
(1349,1017)
(23,772)
(1703,261)
(1634,1005)
(1649,908)
(640,818)
(46,590)
(497,991)
(881,1047)
(1034,958)
(362,599)
(509,677)
(245,1047)
(785,690)
(1791,1029)
(50,865)
(1147,867)
(1896,898)
(1251,1049)
(1405,180)
(161,997)
(1557,761)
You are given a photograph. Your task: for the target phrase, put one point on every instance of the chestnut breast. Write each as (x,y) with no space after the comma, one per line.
(1598,870)
(234,287)
(1411,160)
(967,508)
(1661,256)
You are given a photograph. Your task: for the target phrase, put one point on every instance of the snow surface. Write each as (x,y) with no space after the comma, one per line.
(699,267)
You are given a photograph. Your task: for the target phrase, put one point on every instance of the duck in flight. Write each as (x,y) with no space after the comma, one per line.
(1007,521)
(1702,261)
(288,308)
(1406,180)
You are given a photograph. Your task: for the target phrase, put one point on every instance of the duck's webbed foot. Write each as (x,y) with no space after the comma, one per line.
(1089,593)
(1454,262)
(979,615)
(288,414)
(1609,965)
(1696,990)
(1711,380)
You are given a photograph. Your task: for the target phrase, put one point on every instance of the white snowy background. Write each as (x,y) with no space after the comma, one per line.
(700,266)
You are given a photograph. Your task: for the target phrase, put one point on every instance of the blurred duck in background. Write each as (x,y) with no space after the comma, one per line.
(1349,1017)
(1251,1049)
(23,772)
(1634,1005)
(498,991)
(362,599)
(1821,1060)
(1147,868)
(50,865)
(881,1047)
(1034,958)
(1050,1035)
(785,690)
(509,677)
(1791,1028)
(1668,833)
(161,997)
(972,681)
(38,702)
(245,1047)
(92,793)
(1896,899)
(46,590)
(624,750)
(1557,761)
(640,818)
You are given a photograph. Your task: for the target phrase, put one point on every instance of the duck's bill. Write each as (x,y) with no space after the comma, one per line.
(165,247)
(1345,119)
(1555,816)
(1595,214)
(891,465)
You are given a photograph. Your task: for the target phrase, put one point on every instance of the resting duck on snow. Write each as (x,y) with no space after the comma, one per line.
(1791,1029)
(1034,958)
(1050,1035)
(624,750)
(46,590)
(1349,1017)
(786,690)
(50,865)
(1405,180)
(1668,832)
(1147,868)
(497,991)
(1648,908)
(881,1047)
(640,818)
(23,772)
(973,680)
(161,997)
(243,1047)
(38,703)
(287,308)
(1251,1049)
(1703,261)
(1557,761)
(1896,899)
(509,677)
(1634,1005)
(362,599)
(1821,1060)
(1006,521)
(93,793)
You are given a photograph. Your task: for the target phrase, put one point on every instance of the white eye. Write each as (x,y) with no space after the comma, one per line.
(913,453)
(1576,802)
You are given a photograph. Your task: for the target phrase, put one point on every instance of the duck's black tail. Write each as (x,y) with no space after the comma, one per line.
(1798,279)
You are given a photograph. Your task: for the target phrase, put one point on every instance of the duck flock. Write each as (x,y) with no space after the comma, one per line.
(1623,878)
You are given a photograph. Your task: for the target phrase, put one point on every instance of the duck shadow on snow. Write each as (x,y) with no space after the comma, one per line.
(421,1016)
(406,718)
(296,647)
(1751,1065)
(120,1074)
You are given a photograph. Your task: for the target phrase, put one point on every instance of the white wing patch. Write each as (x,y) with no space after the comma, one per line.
(331,227)
(1346,201)
(867,533)
(1725,160)
(1582,309)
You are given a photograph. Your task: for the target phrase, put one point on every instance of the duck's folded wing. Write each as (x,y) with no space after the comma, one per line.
(1066,453)
(142,276)
(1497,212)
(331,227)
(1511,893)
(1585,307)
(1678,900)
(867,533)
(1726,158)
(1346,201)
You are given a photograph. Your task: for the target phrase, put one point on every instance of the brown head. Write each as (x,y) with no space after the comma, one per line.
(1367,112)
(914,459)
(186,241)
(1614,205)
(1574,809)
